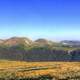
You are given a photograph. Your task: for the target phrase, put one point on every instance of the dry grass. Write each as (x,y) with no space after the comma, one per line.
(34,70)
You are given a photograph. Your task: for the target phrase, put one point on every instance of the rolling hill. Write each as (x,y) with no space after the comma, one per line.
(21,48)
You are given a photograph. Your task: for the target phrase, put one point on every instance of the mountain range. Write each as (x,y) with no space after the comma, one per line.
(40,42)
(21,48)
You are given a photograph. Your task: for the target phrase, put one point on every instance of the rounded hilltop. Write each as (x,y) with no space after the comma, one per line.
(17,40)
(42,42)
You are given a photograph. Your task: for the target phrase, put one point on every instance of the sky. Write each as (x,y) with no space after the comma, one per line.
(50,19)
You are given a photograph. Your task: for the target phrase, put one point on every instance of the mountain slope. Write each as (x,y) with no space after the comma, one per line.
(16,41)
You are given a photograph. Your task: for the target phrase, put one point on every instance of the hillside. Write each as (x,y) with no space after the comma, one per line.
(24,49)
(43,42)
(17,40)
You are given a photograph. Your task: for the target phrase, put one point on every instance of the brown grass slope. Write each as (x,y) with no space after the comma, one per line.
(15,70)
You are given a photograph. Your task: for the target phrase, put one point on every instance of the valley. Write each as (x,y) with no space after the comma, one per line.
(24,59)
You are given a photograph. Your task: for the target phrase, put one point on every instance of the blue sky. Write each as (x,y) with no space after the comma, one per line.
(51,19)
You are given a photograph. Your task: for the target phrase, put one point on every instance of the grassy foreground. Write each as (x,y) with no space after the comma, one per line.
(16,70)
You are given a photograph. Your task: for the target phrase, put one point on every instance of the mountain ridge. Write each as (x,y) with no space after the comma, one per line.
(15,40)
(16,48)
